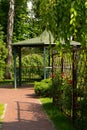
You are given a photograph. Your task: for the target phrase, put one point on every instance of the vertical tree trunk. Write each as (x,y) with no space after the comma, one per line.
(8,74)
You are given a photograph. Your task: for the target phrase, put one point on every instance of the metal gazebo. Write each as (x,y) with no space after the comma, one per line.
(44,40)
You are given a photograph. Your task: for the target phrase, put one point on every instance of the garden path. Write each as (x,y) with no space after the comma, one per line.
(24,110)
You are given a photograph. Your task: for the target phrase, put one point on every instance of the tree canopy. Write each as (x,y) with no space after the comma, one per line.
(65,19)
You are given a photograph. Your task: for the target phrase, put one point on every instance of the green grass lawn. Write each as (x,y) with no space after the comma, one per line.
(1,113)
(58,119)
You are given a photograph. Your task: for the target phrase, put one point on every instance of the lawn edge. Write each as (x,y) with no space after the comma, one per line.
(2,117)
(53,126)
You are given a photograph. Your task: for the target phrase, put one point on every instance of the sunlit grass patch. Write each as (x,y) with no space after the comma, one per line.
(1,112)
(58,119)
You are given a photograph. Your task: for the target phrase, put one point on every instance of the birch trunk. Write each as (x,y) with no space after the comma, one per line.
(8,74)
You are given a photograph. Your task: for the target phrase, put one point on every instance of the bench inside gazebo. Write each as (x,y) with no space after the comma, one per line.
(43,41)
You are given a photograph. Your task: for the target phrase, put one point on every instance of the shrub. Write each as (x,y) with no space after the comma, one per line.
(35,62)
(62,92)
(3,54)
(57,89)
(43,88)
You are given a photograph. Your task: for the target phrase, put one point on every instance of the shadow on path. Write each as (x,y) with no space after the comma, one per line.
(24,111)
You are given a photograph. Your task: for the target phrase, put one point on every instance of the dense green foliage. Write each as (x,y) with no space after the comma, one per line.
(43,88)
(70,85)
(25,26)
(3,54)
(32,64)
(64,18)
(33,60)
(62,93)
(4,7)
(57,117)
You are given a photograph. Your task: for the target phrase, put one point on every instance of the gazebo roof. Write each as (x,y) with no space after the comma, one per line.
(46,38)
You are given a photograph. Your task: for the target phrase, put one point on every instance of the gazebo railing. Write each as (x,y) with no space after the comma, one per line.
(29,74)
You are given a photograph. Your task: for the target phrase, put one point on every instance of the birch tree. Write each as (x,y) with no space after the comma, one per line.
(9,39)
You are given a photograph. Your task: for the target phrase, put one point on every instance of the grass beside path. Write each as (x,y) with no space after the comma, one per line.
(58,119)
(2,107)
(1,111)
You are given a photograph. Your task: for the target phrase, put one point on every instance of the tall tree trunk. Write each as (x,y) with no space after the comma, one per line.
(8,74)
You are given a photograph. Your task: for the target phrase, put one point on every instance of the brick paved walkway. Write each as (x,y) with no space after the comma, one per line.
(24,111)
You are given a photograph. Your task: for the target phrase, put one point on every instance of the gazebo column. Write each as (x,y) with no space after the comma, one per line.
(44,62)
(49,59)
(15,71)
(19,66)
(49,65)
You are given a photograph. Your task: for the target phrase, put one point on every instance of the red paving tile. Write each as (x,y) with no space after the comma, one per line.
(24,111)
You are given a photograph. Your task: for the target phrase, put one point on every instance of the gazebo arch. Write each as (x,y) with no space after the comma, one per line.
(44,40)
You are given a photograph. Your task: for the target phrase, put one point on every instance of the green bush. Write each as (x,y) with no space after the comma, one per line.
(57,89)
(43,88)
(62,92)
(32,64)
(3,54)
